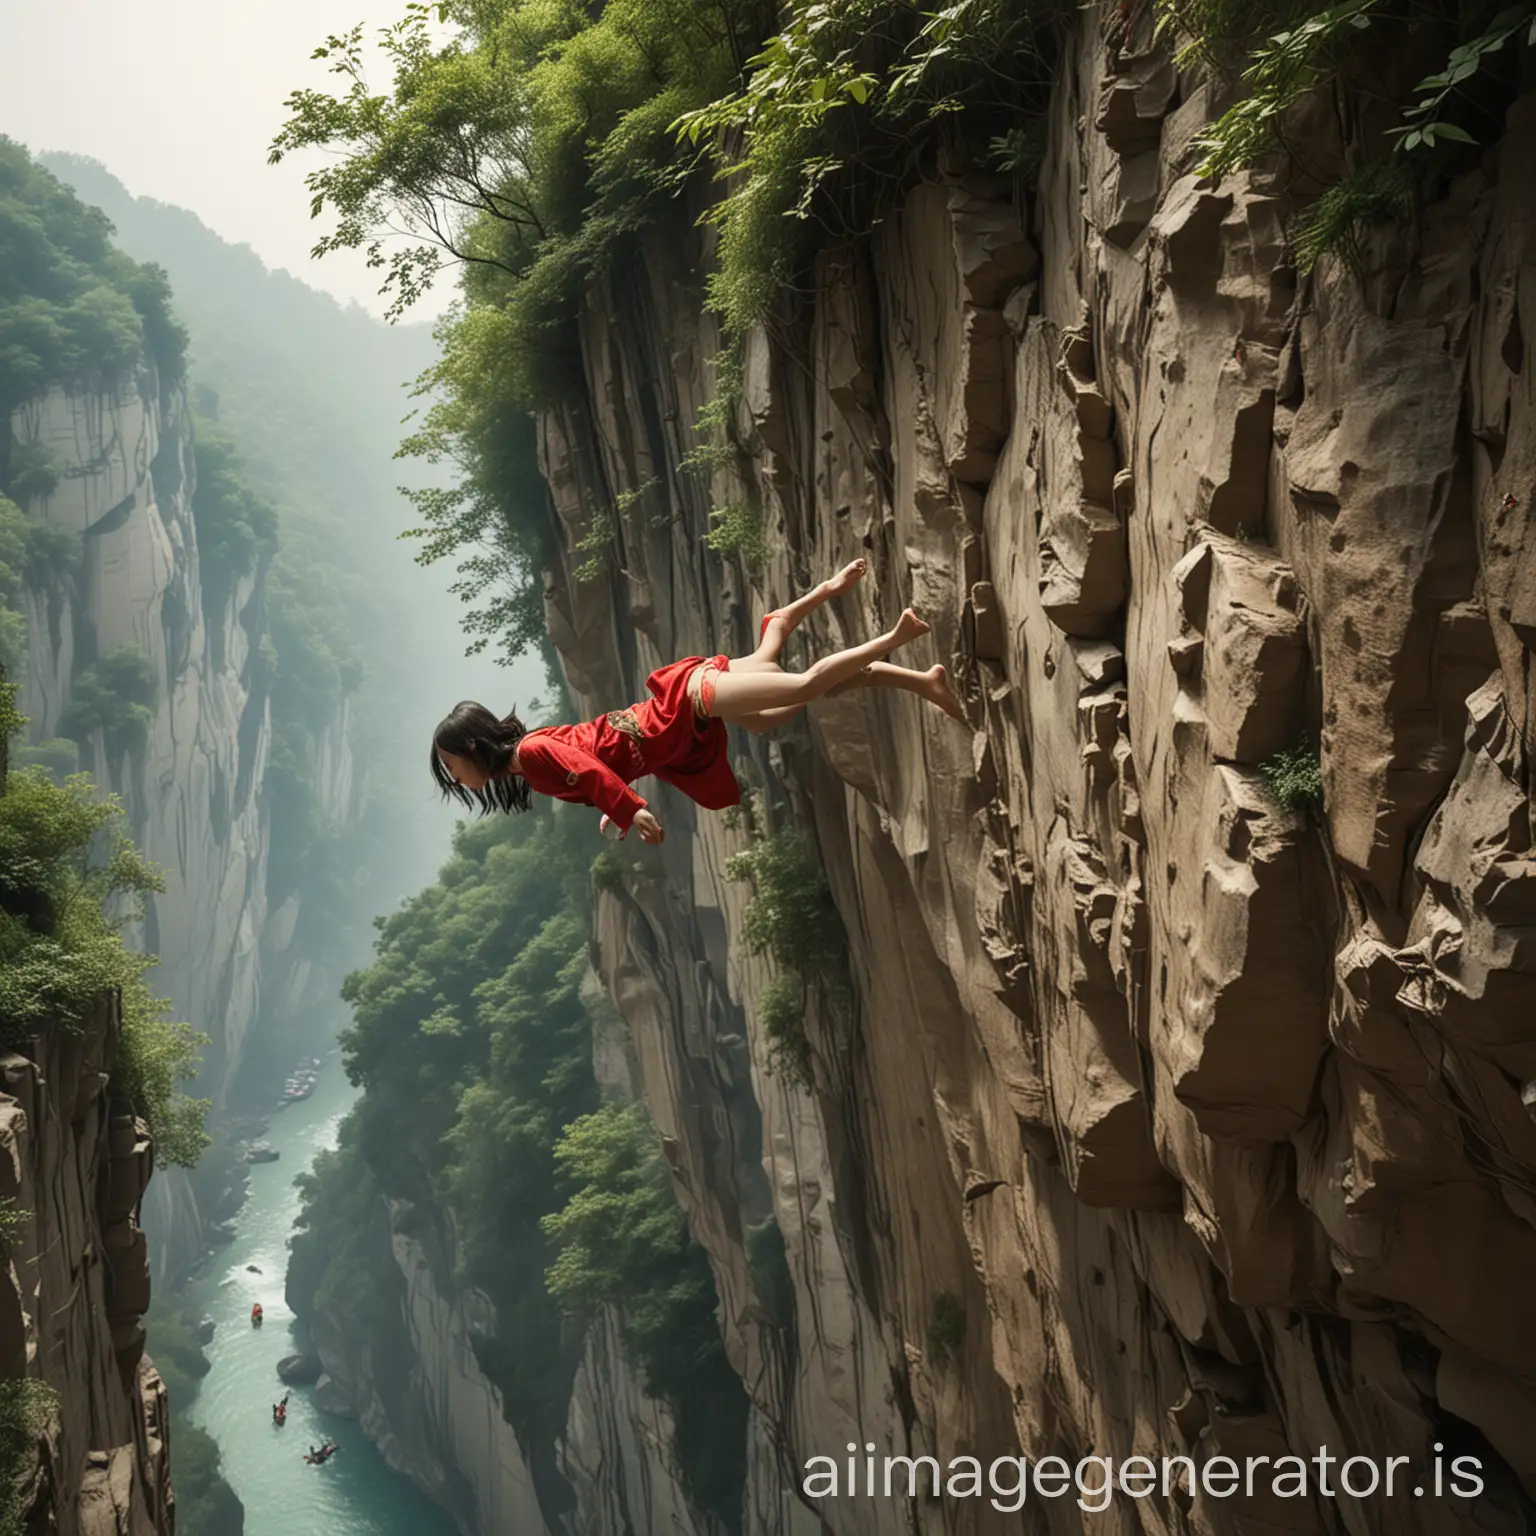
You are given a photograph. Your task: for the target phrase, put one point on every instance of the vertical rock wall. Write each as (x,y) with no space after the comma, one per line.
(1208,1113)
(192,795)
(75,1284)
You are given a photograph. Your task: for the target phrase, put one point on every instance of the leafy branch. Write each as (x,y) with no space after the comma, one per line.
(1424,126)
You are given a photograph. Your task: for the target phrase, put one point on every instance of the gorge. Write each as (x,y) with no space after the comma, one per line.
(1140,1068)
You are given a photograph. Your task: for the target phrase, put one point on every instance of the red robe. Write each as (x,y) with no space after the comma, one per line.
(595,763)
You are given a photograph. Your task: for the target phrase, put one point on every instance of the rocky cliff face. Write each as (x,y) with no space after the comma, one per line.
(193,790)
(1206,1115)
(74,1286)
(192,793)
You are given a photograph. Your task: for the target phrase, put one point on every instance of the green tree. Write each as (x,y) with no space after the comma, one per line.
(236,528)
(115,696)
(73,310)
(623,1242)
(65,864)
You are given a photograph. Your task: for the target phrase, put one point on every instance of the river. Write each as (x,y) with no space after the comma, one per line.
(354,1493)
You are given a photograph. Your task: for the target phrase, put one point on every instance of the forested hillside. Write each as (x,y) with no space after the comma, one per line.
(482,1138)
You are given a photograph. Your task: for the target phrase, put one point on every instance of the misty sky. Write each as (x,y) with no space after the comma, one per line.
(180,99)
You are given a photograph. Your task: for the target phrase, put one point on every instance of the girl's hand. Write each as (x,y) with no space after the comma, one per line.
(648,827)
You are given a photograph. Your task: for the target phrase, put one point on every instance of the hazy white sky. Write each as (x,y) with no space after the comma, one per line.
(180,99)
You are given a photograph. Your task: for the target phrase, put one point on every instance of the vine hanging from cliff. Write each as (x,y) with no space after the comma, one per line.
(1280,54)
(842,109)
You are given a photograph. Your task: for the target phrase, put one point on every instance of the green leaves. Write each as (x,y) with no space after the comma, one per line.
(834,113)
(64,863)
(1424,127)
(1333,225)
(1283,68)
(1285,64)
(73,311)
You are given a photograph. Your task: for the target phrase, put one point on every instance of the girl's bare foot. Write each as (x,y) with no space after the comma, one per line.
(845,578)
(939,692)
(909,627)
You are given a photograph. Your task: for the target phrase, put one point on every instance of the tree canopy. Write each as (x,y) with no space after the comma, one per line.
(473,1045)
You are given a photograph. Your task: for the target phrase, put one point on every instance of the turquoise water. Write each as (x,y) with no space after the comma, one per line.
(354,1493)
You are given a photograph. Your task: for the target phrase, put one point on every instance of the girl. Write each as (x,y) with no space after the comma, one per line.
(678,734)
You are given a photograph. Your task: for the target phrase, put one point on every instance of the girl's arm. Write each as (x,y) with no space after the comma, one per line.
(558,769)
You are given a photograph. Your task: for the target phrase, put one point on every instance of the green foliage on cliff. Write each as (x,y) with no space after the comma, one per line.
(790,916)
(538,144)
(115,696)
(1295,775)
(946,1326)
(737,530)
(33,554)
(236,528)
(1281,52)
(65,869)
(205,1503)
(526,147)
(15,1222)
(13,565)
(781,1017)
(25,1406)
(73,310)
(622,1242)
(839,112)
(474,1048)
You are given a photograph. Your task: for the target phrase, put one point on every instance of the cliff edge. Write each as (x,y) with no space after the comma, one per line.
(87,1417)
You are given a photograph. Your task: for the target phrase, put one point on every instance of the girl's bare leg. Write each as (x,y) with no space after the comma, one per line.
(739,693)
(782,622)
(932,685)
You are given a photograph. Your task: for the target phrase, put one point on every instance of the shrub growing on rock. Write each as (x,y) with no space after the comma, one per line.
(25,1405)
(116,696)
(65,863)
(1295,775)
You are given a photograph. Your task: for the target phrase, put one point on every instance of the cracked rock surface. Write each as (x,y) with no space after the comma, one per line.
(1211,1116)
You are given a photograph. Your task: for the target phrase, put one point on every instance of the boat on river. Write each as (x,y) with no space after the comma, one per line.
(302,1082)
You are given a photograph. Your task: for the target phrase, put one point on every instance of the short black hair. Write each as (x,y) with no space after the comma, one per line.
(471,731)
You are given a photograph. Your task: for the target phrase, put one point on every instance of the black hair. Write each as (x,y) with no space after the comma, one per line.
(471,731)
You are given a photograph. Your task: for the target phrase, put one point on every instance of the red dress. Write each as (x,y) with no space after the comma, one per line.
(595,763)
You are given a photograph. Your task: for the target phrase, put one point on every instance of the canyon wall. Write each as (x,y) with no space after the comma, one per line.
(193,788)
(74,1285)
(192,793)
(1205,1114)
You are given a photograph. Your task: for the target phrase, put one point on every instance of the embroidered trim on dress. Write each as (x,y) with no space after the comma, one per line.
(624,720)
(625,723)
(701,688)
